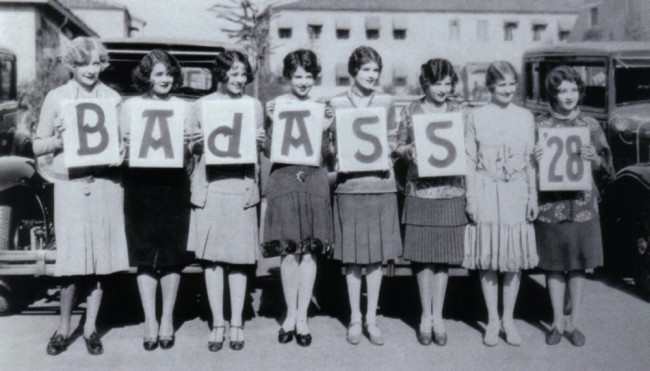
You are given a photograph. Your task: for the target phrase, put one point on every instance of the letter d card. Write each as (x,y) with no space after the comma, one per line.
(91,136)
(229,131)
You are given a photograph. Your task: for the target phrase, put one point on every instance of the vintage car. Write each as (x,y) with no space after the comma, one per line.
(617,94)
(27,241)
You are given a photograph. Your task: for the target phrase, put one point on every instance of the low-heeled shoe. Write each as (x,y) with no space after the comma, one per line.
(167,343)
(303,340)
(424,338)
(553,337)
(94,344)
(215,346)
(285,336)
(440,339)
(576,337)
(57,344)
(150,344)
(236,345)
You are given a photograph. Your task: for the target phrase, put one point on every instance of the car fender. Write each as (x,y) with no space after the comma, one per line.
(14,171)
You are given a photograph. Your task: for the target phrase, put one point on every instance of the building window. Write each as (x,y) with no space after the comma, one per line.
(284,33)
(482,30)
(372,28)
(342,33)
(399,34)
(342,76)
(314,31)
(454,29)
(538,30)
(399,81)
(509,31)
(563,36)
(593,16)
(342,81)
(372,34)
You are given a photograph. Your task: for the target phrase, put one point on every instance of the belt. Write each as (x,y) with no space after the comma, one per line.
(88,175)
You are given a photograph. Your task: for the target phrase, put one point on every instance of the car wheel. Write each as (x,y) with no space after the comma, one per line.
(5,298)
(642,263)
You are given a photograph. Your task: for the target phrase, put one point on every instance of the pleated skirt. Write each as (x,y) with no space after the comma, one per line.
(569,246)
(366,228)
(434,230)
(89,227)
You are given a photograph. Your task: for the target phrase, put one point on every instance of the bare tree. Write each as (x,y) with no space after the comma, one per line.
(251,20)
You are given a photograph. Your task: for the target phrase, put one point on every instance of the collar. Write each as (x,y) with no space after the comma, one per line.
(569,117)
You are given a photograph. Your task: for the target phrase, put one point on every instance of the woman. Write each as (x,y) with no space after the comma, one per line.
(298,222)
(434,208)
(157,206)
(88,218)
(224,231)
(501,198)
(366,224)
(568,226)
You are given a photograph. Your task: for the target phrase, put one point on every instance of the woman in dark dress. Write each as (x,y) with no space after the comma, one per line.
(569,239)
(157,207)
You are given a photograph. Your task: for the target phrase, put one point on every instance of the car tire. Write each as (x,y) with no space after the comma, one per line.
(5,298)
(5,227)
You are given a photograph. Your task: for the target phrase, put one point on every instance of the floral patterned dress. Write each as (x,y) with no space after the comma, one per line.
(568,226)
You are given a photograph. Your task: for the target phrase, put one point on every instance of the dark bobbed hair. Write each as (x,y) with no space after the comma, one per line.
(142,73)
(225,61)
(80,51)
(300,58)
(497,71)
(555,78)
(361,56)
(435,70)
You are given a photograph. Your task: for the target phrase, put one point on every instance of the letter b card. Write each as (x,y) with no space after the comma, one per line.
(297,133)
(229,131)
(362,139)
(439,144)
(90,137)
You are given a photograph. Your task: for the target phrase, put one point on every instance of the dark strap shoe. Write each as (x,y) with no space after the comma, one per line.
(94,345)
(150,344)
(285,336)
(303,340)
(167,342)
(57,344)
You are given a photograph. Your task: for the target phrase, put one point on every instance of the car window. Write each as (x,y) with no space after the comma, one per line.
(197,81)
(6,74)
(594,75)
(632,84)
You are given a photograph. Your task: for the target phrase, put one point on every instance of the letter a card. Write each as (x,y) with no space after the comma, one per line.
(229,131)
(362,139)
(157,134)
(439,144)
(91,136)
(297,133)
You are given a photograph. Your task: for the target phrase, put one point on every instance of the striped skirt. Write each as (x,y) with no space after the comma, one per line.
(434,230)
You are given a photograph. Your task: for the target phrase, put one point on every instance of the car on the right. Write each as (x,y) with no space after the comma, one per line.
(617,94)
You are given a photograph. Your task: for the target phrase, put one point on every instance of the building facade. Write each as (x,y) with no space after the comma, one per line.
(613,20)
(109,20)
(470,33)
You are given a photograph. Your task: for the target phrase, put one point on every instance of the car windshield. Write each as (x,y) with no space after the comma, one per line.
(632,85)
(197,81)
(594,75)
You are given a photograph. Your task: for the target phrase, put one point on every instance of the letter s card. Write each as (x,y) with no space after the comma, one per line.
(440,144)
(91,135)
(297,132)
(157,134)
(229,131)
(362,139)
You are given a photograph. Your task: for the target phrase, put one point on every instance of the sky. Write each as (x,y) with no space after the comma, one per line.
(183,19)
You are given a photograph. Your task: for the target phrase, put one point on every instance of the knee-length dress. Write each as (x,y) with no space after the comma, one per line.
(568,226)
(88,216)
(224,221)
(299,213)
(434,208)
(500,184)
(157,208)
(366,222)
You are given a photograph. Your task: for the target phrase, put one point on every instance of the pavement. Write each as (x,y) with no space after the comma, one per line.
(616,325)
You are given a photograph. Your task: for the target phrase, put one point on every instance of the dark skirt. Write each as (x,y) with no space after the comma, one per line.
(435,230)
(157,217)
(299,208)
(366,228)
(569,246)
